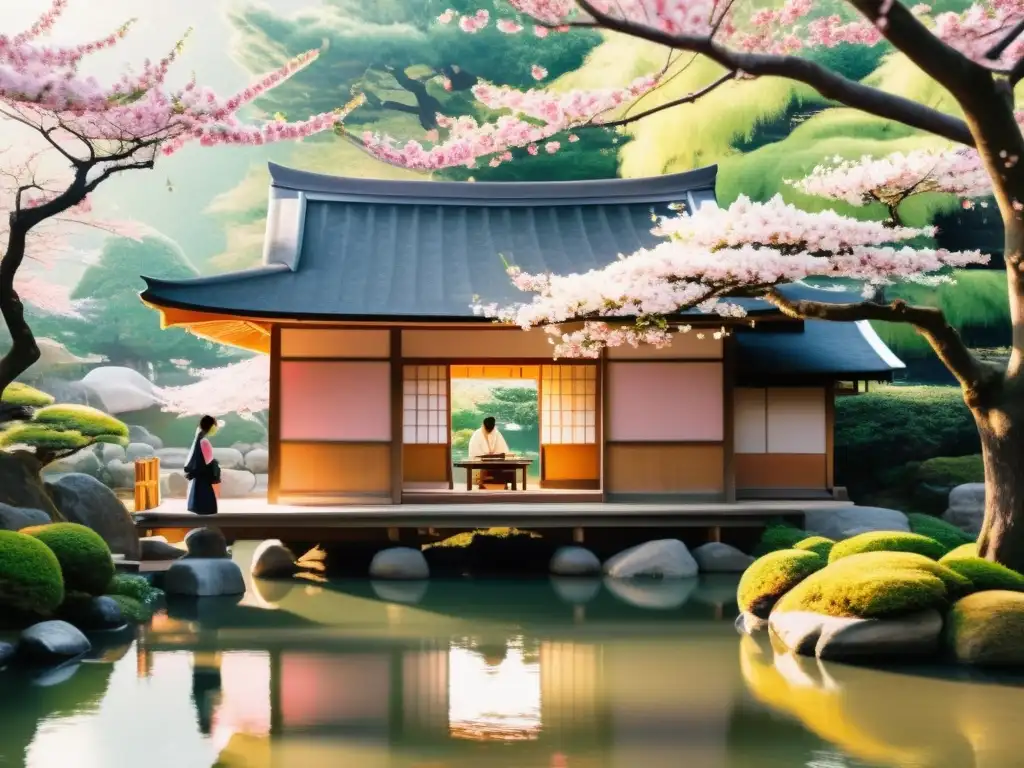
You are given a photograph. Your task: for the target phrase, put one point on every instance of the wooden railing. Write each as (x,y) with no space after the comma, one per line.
(147,484)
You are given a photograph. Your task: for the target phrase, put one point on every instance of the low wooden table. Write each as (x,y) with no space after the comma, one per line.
(514,464)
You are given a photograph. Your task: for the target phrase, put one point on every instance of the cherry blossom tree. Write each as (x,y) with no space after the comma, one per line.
(242,388)
(96,130)
(976,55)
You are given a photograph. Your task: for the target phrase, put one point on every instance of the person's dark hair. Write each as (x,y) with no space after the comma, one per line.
(489,423)
(207,423)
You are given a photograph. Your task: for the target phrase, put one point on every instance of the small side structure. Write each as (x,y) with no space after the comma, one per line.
(363,303)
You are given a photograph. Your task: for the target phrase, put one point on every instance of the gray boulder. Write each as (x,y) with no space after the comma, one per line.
(87,501)
(7,651)
(16,518)
(137,434)
(205,543)
(851,639)
(257,461)
(120,389)
(236,483)
(172,458)
(243,448)
(574,561)
(122,473)
(213,577)
(84,461)
(715,557)
(174,485)
(844,522)
(139,451)
(93,614)
(399,563)
(110,451)
(966,507)
(157,548)
(52,642)
(229,458)
(664,558)
(576,590)
(272,560)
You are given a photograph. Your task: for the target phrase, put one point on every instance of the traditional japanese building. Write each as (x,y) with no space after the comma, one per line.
(363,303)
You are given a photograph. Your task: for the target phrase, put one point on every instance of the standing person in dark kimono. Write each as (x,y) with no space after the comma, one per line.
(202,470)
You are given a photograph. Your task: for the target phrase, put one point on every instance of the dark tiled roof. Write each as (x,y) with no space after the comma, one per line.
(822,350)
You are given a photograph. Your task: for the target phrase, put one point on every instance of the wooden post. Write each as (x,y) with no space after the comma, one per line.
(147,483)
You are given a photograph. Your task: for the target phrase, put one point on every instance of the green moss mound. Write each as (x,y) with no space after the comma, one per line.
(948,535)
(964,550)
(23,395)
(30,576)
(87,421)
(136,587)
(887,541)
(491,552)
(779,536)
(84,557)
(819,545)
(876,585)
(985,629)
(770,577)
(986,575)
(134,611)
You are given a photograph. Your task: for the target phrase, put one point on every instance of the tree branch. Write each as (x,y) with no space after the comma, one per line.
(975,377)
(688,99)
(829,84)
(997,50)
(47,457)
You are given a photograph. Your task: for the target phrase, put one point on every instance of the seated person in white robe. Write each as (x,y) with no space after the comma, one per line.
(488,441)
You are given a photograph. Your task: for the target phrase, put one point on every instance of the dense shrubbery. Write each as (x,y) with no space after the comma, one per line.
(779,536)
(883,436)
(134,587)
(948,535)
(17,393)
(84,557)
(887,541)
(30,576)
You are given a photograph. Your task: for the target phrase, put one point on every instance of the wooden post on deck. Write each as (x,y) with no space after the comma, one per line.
(147,483)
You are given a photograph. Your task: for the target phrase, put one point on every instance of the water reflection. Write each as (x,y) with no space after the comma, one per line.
(488,675)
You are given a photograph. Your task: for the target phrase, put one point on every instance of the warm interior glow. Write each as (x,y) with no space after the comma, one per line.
(493,701)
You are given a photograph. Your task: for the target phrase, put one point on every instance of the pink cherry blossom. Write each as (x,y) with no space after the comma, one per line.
(538,72)
(242,388)
(706,256)
(509,27)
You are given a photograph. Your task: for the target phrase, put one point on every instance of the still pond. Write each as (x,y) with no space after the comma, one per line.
(490,674)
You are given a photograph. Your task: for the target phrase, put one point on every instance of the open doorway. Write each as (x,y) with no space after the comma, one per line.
(513,403)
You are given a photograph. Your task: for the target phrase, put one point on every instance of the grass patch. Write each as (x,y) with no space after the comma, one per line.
(876,585)
(887,541)
(770,577)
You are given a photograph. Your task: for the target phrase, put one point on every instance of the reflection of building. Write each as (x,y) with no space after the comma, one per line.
(366,291)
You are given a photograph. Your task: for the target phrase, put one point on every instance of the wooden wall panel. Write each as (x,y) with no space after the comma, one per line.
(664,468)
(665,402)
(424,463)
(334,343)
(764,471)
(335,468)
(571,462)
(487,343)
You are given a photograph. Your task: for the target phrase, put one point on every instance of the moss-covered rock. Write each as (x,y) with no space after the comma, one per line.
(30,576)
(819,545)
(876,585)
(986,575)
(135,587)
(887,541)
(961,552)
(59,428)
(949,536)
(134,611)
(985,629)
(779,536)
(772,576)
(84,556)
